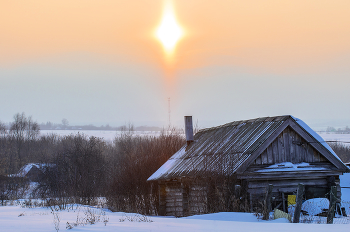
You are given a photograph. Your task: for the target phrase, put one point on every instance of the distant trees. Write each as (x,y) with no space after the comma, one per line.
(22,129)
(342,150)
(65,122)
(86,167)
(3,131)
(345,130)
(135,158)
(80,167)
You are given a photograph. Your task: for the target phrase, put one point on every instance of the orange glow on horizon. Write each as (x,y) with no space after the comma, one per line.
(169,32)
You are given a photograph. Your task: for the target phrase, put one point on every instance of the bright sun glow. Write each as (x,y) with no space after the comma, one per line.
(169,32)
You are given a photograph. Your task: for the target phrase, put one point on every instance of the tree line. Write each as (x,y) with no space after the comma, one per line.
(81,168)
(345,130)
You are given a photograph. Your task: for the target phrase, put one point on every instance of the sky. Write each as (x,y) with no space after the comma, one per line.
(98,62)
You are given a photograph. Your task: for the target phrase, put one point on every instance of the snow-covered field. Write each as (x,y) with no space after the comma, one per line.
(84,218)
(335,137)
(15,219)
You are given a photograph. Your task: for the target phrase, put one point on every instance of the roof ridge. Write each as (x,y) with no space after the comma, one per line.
(243,121)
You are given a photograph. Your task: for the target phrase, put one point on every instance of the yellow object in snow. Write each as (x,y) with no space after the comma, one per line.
(291,199)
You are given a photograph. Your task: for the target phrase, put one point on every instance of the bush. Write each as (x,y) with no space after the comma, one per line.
(135,159)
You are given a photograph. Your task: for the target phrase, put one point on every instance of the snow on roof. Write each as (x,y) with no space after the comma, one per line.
(26,168)
(288,166)
(170,163)
(223,149)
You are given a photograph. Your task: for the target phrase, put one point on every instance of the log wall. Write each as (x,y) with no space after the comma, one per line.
(174,200)
(314,187)
(182,199)
(197,199)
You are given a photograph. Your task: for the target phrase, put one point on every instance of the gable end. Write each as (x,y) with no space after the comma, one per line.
(289,147)
(318,149)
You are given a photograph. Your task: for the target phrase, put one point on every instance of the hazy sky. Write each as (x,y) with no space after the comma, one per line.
(99,62)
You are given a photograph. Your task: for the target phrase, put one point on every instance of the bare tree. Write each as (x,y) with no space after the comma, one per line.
(32,130)
(3,130)
(21,129)
(65,122)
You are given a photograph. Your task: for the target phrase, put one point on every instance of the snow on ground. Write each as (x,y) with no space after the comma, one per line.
(15,218)
(345,191)
(315,206)
(345,180)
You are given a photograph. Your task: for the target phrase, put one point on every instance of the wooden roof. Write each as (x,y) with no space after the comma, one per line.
(232,147)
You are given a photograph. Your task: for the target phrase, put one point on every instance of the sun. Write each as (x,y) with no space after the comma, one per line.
(169,31)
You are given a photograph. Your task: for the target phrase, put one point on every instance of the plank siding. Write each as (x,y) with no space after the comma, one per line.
(258,160)
(271,159)
(275,151)
(264,157)
(289,147)
(280,148)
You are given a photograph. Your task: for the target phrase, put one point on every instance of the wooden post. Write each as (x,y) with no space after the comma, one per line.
(337,208)
(251,202)
(343,212)
(267,203)
(332,201)
(299,202)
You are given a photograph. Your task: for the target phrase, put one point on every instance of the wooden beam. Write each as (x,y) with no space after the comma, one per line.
(267,202)
(289,175)
(332,201)
(299,202)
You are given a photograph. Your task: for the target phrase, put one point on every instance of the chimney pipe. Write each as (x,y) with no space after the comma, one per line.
(189,129)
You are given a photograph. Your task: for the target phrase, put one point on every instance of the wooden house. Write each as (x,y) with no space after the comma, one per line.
(31,171)
(235,162)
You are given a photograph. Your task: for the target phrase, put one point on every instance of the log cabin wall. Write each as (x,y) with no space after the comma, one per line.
(197,198)
(173,199)
(181,199)
(314,187)
(289,147)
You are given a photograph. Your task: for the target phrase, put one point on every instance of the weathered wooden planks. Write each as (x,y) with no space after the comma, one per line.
(289,147)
